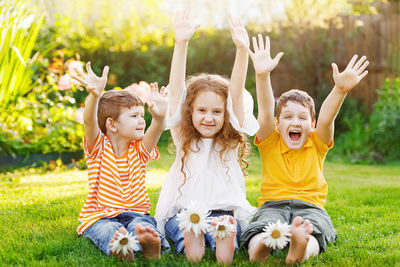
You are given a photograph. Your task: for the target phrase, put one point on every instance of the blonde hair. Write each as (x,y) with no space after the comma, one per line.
(111,104)
(299,97)
(227,137)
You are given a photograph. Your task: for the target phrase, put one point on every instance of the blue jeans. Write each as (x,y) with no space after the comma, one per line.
(173,232)
(102,231)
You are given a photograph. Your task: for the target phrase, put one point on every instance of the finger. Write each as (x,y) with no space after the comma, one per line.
(186,13)
(163,91)
(255,45)
(105,72)
(363,75)
(80,72)
(155,87)
(335,69)
(79,79)
(89,68)
(240,22)
(358,64)
(267,44)
(352,61)
(250,52)
(260,42)
(362,68)
(229,20)
(278,57)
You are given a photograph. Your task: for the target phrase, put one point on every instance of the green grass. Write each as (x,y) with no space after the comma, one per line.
(39,210)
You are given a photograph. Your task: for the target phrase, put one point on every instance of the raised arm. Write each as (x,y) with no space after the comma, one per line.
(239,71)
(95,86)
(263,65)
(158,105)
(344,82)
(184,30)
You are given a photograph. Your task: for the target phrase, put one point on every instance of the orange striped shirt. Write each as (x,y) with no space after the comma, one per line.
(116,185)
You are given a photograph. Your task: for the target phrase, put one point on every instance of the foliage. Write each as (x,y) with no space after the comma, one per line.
(385,120)
(44,120)
(19,27)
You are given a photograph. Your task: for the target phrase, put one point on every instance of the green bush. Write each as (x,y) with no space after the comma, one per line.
(385,120)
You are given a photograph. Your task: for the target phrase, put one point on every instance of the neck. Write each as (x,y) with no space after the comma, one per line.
(119,145)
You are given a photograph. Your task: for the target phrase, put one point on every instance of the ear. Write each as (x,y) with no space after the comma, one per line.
(313,124)
(110,125)
(276,122)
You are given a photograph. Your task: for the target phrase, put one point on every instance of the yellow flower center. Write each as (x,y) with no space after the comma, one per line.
(124,241)
(221,228)
(276,234)
(194,218)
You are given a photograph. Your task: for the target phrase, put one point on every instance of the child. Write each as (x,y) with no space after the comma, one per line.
(208,134)
(293,187)
(116,151)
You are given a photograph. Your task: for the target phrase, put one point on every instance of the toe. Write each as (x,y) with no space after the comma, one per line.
(297,221)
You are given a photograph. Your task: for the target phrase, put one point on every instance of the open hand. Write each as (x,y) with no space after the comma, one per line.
(93,84)
(157,101)
(238,32)
(262,61)
(183,26)
(352,75)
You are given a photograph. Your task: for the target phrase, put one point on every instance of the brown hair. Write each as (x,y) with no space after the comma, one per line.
(299,97)
(111,104)
(227,137)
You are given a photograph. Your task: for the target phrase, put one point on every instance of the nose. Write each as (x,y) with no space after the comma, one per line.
(208,117)
(296,122)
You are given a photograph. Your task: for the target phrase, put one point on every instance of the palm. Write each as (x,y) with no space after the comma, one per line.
(183,27)
(238,32)
(352,75)
(93,83)
(158,101)
(262,61)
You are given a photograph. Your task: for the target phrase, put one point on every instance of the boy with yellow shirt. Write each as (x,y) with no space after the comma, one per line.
(293,188)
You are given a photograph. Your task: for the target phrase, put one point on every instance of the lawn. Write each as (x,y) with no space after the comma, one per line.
(39,210)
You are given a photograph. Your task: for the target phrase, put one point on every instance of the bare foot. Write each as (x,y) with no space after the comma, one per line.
(149,240)
(298,240)
(194,247)
(225,248)
(258,252)
(128,257)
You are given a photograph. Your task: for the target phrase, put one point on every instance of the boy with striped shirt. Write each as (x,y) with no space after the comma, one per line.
(117,151)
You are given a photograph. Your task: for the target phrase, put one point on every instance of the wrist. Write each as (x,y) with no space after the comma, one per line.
(181,42)
(263,75)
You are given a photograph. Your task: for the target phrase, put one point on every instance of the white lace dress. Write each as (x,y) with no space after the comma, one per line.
(217,184)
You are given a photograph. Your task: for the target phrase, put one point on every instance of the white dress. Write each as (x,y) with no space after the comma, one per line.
(216,184)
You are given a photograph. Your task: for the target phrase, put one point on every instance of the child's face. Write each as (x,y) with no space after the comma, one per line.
(130,123)
(208,113)
(294,124)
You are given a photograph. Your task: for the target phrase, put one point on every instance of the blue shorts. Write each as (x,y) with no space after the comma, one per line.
(102,231)
(173,232)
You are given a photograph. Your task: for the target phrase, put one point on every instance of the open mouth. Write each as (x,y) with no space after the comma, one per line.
(295,135)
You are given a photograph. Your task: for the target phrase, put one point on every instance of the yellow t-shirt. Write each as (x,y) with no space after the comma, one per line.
(293,174)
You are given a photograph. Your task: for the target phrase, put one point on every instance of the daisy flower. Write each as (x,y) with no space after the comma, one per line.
(125,243)
(222,229)
(276,235)
(193,219)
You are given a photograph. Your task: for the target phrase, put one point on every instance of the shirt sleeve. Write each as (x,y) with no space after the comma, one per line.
(269,142)
(97,147)
(322,148)
(145,155)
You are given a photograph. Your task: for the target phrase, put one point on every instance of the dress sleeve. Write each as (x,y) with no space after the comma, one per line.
(250,123)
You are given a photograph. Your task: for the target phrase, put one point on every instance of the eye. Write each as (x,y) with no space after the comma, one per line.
(217,111)
(303,118)
(201,109)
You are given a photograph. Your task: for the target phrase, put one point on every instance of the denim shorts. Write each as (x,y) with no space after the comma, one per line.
(173,232)
(286,211)
(102,231)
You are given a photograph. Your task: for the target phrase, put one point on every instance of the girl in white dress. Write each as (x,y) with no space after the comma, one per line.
(207,122)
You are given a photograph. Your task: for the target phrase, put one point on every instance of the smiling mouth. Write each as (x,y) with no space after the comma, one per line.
(294,135)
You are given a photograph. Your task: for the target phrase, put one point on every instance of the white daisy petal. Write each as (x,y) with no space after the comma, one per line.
(124,243)
(222,229)
(193,219)
(276,235)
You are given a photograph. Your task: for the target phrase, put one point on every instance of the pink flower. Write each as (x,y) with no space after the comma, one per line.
(64,83)
(141,90)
